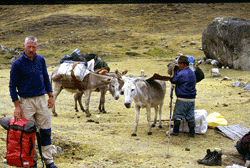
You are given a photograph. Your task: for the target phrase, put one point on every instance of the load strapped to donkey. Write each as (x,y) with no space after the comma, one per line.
(74,69)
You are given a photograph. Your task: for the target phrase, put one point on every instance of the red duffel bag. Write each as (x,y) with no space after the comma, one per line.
(21,136)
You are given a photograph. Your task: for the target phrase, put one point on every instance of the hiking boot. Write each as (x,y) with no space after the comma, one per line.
(174,133)
(214,160)
(191,126)
(51,165)
(190,134)
(208,155)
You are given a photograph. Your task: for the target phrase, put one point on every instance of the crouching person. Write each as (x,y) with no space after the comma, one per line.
(29,80)
(185,80)
(243,147)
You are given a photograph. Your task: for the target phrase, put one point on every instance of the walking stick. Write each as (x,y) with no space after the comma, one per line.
(171,99)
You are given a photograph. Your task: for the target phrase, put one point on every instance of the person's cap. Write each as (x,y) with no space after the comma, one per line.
(183,59)
(190,58)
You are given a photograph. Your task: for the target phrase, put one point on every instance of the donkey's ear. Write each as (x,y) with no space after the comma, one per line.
(116,71)
(125,72)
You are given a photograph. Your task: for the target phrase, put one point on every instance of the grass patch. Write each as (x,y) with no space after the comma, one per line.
(118,46)
(134,48)
(132,53)
(157,52)
(65,50)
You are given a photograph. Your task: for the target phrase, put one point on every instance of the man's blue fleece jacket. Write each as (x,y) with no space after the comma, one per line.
(29,78)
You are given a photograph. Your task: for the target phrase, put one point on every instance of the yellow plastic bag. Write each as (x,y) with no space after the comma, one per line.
(216,119)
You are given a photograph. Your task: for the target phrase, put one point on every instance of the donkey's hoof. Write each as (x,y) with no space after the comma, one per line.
(149,133)
(104,112)
(153,125)
(88,115)
(159,126)
(55,114)
(133,134)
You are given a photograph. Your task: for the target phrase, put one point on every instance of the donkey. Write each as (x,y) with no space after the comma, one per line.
(94,81)
(146,94)
(113,88)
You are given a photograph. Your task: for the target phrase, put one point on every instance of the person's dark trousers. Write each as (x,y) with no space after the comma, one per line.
(191,126)
(177,124)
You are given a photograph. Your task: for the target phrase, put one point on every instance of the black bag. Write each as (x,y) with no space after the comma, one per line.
(199,74)
(79,58)
(66,57)
(100,63)
(90,57)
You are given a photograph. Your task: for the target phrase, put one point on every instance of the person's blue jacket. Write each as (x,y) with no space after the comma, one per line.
(185,81)
(29,78)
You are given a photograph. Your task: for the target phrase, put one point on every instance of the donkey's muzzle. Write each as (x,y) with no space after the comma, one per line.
(127,105)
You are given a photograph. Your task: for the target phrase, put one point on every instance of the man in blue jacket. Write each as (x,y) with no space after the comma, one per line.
(29,80)
(185,80)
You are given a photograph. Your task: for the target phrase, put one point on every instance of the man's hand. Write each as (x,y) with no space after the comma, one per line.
(18,113)
(50,102)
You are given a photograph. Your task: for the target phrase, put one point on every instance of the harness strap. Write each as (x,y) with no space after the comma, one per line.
(76,82)
(38,137)
(57,78)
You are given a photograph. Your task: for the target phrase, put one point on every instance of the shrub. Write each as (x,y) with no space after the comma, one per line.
(132,53)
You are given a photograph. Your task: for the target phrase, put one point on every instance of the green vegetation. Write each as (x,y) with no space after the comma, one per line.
(132,53)
(157,52)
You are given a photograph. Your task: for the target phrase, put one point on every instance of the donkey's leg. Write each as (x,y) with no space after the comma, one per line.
(78,97)
(102,101)
(160,112)
(80,102)
(155,117)
(137,113)
(148,108)
(56,91)
(87,100)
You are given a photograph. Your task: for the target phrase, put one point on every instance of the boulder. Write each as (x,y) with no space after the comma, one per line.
(238,84)
(227,40)
(247,86)
(208,61)
(215,72)
(215,63)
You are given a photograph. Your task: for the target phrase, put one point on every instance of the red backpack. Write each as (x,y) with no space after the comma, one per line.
(21,137)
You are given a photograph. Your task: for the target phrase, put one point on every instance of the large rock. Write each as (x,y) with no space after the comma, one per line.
(227,40)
